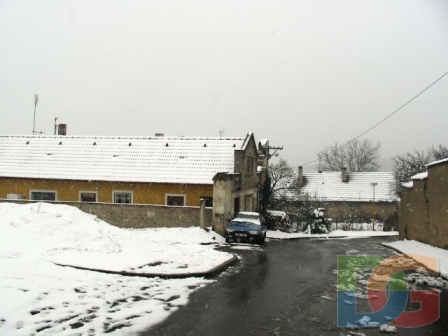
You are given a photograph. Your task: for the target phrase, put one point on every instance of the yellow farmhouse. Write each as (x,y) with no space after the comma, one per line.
(172,171)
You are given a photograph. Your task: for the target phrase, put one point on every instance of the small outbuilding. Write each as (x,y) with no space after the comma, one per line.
(423,214)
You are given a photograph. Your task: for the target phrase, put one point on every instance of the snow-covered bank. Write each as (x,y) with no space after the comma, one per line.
(417,248)
(332,234)
(65,235)
(38,295)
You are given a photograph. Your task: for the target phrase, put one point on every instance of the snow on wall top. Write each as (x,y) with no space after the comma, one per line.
(193,160)
(437,162)
(329,185)
(420,176)
(408,185)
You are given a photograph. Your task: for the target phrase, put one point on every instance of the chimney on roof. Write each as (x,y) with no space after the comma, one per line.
(344,174)
(159,135)
(300,176)
(62,129)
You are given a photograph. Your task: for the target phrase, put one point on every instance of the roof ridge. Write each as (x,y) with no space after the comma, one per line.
(338,172)
(142,137)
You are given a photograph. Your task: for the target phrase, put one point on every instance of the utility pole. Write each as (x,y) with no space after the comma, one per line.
(374,184)
(276,149)
(36,99)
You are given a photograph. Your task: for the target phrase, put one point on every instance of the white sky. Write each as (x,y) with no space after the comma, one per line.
(303,74)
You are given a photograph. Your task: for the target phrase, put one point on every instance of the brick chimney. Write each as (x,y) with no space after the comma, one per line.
(300,176)
(344,174)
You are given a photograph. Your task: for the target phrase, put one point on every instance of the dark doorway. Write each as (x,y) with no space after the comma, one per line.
(236,206)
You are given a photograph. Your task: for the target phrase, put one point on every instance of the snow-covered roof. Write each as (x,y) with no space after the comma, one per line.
(263,143)
(329,185)
(193,160)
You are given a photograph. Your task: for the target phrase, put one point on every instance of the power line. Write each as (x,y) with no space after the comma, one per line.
(390,115)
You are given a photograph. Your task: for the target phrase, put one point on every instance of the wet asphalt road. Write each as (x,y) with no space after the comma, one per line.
(277,289)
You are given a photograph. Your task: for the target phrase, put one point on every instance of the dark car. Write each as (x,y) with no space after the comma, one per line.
(246,227)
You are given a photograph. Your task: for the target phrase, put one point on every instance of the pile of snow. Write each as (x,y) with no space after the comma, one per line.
(413,247)
(280,214)
(38,295)
(67,236)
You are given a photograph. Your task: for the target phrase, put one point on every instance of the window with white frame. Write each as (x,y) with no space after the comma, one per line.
(88,196)
(175,200)
(43,195)
(122,197)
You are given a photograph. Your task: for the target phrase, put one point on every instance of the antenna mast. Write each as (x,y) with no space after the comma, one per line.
(55,126)
(36,99)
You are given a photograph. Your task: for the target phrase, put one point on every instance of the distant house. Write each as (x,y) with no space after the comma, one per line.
(350,196)
(172,171)
(423,214)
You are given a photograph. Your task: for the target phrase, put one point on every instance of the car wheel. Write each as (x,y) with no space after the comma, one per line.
(262,240)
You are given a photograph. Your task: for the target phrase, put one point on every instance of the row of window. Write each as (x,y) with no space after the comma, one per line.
(125,197)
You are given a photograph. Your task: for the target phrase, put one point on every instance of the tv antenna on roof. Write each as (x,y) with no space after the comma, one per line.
(221,132)
(36,99)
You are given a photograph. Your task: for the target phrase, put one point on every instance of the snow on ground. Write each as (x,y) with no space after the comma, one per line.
(417,248)
(38,295)
(416,279)
(332,234)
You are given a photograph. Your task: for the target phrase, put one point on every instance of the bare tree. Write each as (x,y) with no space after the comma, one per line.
(438,152)
(411,163)
(279,186)
(356,155)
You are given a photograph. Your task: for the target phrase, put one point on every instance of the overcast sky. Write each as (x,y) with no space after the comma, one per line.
(303,74)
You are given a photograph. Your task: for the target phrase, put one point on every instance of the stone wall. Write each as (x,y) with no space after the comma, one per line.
(141,215)
(361,211)
(423,212)
(346,212)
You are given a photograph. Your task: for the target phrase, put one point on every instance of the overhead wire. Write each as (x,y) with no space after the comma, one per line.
(387,117)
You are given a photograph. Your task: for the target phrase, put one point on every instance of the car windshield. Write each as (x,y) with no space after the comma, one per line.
(240,221)
(247,218)
(245,215)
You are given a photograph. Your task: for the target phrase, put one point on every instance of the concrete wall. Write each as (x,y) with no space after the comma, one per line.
(223,187)
(142,215)
(423,214)
(414,209)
